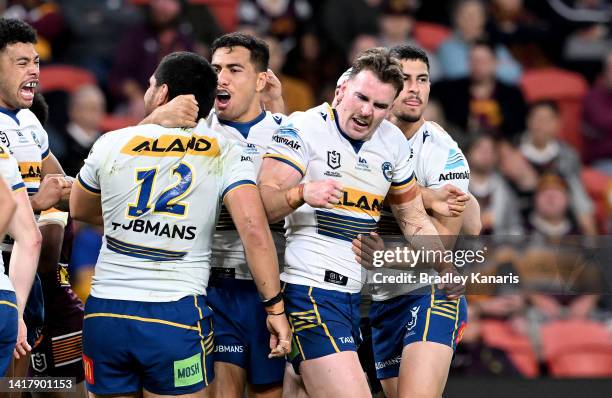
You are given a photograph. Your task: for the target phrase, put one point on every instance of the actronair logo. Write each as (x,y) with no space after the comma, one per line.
(293,144)
(452,175)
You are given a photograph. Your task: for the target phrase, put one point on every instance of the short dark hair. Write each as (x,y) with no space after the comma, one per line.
(15,31)
(412,53)
(546,104)
(188,73)
(379,61)
(484,41)
(40,108)
(260,53)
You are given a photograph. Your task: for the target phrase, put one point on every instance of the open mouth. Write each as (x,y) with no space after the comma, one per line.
(27,90)
(223,98)
(360,122)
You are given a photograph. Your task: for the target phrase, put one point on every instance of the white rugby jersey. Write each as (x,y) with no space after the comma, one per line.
(438,161)
(318,251)
(27,140)
(161,194)
(9,171)
(228,259)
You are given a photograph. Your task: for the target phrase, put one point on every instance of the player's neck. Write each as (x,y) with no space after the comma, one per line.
(252,113)
(409,128)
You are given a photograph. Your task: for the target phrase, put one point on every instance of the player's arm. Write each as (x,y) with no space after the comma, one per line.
(85,205)
(26,250)
(447,201)
(282,192)
(181,111)
(248,214)
(407,206)
(54,189)
(7,206)
(51,225)
(472,224)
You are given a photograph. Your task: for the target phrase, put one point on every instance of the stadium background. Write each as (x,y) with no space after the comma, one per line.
(534,166)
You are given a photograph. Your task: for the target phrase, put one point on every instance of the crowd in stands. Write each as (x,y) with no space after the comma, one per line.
(524,87)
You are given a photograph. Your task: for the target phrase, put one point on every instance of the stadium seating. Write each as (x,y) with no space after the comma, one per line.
(567,89)
(499,334)
(110,123)
(64,78)
(430,35)
(598,184)
(577,348)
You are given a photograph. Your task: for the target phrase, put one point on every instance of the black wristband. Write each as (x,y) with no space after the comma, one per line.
(274,300)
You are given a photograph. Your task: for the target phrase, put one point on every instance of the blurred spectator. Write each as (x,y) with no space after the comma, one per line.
(547,154)
(141,50)
(480,102)
(591,38)
(597,118)
(469,18)
(96,26)
(474,357)
(297,94)
(86,109)
(284,20)
(512,25)
(343,20)
(550,217)
(435,113)
(397,22)
(44,16)
(498,205)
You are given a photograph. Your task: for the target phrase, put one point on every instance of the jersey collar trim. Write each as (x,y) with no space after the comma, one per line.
(244,127)
(11,113)
(356,144)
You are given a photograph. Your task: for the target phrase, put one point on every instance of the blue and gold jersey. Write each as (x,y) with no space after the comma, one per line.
(26,139)
(161,192)
(9,172)
(318,251)
(255,136)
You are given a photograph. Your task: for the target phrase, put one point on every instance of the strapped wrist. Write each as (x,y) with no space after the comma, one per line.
(295,196)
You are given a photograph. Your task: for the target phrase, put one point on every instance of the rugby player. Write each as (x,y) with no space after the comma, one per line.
(14,291)
(158,192)
(416,328)
(328,171)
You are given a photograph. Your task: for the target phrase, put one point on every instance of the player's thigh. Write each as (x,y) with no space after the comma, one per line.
(424,369)
(293,385)
(336,375)
(229,381)
(390,387)
(265,390)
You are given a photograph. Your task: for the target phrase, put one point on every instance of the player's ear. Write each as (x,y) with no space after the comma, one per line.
(340,94)
(161,95)
(262,80)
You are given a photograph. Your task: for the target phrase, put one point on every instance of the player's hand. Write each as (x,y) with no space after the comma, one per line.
(22,347)
(273,91)
(280,335)
(364,247)
(453,290)
(325,193)
(449,201)
(52,189)
(182,111)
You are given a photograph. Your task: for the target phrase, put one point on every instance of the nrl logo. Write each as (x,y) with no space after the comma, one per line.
(333,159)
(414,312)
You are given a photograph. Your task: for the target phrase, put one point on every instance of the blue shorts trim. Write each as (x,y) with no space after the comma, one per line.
(163,347)
(404,320)
(323,322)
(241,334)
(8,328)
